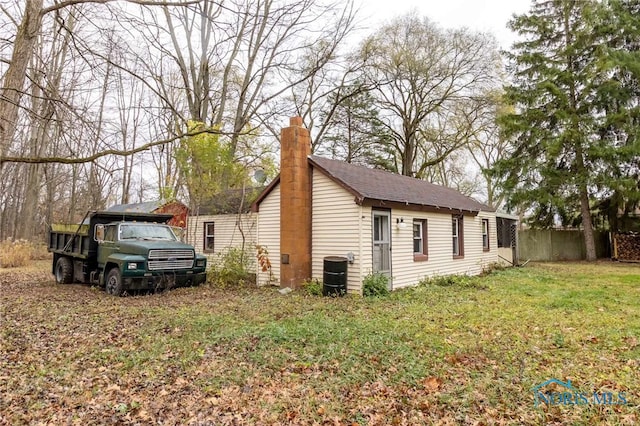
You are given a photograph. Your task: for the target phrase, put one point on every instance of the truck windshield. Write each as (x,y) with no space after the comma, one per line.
(146,232)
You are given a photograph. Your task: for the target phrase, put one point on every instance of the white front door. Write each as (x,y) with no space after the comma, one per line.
(382,242)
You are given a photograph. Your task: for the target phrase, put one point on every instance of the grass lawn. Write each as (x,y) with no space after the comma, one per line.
(462,354)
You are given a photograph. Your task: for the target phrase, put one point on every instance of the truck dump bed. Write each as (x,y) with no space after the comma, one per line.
(81,243)
(71,243)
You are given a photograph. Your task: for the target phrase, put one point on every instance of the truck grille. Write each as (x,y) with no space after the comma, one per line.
(155,265)
(170,259)
(166,254)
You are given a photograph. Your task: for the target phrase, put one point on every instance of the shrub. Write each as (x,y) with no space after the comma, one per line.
(232,268)
(312,287)
(39,252)
(375,284)
(464,281)
(18,253)
(444,281)
(493,267)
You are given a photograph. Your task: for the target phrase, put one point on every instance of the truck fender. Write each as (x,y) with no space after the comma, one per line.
(121,259)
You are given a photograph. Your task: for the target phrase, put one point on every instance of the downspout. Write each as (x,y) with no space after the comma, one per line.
(360,248)
(258,268)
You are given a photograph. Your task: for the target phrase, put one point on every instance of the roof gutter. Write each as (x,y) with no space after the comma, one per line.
(371,202)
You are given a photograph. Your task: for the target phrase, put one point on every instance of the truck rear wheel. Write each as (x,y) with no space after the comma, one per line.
(114,282)
(64,270)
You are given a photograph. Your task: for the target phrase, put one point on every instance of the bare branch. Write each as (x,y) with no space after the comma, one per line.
(90,158)
(68,3)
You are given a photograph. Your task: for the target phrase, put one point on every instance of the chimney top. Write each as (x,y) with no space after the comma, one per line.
(295,121)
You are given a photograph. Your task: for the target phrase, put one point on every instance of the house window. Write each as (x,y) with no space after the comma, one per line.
(420,240)
(485,234)
(209,232)
(457,237)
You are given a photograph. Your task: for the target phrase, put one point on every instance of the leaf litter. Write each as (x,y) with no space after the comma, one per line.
(202,356)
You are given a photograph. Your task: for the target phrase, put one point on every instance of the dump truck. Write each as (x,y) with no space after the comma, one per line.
(124,252)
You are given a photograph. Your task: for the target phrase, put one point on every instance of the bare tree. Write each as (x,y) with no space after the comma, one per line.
(317,97)
(236,57)
(486,146)
(94,92)
(423,78)
(44,93)
(13,80)
(131,119)
(24,44)
(56,104)
(233,61)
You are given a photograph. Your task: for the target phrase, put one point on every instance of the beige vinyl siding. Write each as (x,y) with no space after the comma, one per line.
(336,221)
(227,234)
(269,235)
(407,272)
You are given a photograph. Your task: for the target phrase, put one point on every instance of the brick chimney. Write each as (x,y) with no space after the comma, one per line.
(295,204)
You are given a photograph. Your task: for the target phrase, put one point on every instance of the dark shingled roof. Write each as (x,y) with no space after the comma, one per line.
(379,185)
(382,188)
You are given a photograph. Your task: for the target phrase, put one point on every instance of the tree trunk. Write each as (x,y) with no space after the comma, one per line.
(28,222)
(13,81)
(581,171)
(585,208)
(589,240)
(408,155)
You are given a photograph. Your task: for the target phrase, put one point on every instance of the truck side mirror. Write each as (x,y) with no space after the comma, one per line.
(99,233)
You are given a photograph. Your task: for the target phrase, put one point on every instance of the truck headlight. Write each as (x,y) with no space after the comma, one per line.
(201,263)
(132,265)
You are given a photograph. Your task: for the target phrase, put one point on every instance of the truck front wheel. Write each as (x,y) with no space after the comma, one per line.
(114,282)
(64,270)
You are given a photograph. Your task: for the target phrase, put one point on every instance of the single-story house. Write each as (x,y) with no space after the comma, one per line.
(178,209)
(381,222)
(224,222)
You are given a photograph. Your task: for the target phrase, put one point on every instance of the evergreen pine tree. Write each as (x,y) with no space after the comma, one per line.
(556,70)
(356,134)
(616,104)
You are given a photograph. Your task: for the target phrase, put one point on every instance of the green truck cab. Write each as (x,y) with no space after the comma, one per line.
(125,252)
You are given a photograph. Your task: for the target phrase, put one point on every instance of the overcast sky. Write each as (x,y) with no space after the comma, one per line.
(482,15)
